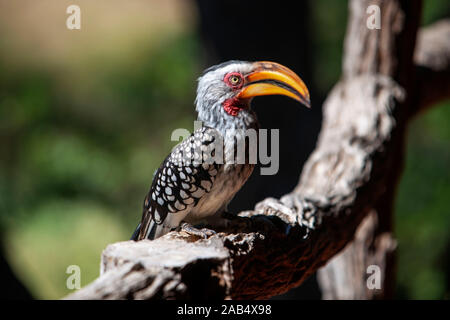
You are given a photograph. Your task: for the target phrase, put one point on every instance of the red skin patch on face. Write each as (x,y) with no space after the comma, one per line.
(231,106)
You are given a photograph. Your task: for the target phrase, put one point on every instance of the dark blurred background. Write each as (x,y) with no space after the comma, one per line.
(86,117)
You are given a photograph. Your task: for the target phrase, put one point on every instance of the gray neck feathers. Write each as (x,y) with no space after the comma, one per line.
(212,114)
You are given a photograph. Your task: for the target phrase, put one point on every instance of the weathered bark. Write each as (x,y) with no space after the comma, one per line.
(344,277)
(389,52)
(276,246)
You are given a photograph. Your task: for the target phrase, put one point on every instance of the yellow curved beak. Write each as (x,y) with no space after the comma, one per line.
(270,78)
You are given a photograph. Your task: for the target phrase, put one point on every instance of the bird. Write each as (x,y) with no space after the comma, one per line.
(188,188)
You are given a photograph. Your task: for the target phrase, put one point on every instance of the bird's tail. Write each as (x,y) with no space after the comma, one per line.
(136,233)
(154,231)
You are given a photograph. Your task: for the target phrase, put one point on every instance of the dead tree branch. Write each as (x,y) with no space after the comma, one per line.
(280,243)
(344,277)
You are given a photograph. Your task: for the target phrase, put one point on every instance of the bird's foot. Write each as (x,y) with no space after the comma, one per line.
(203,233)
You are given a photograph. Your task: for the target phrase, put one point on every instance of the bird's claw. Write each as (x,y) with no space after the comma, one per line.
(204,233)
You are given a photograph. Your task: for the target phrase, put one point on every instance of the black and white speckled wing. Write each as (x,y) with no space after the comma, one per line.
(184,177)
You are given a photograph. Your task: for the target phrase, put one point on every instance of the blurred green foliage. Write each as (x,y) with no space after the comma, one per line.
(79,145)
(75,171)
(423,208)
(328,20)
(422,221)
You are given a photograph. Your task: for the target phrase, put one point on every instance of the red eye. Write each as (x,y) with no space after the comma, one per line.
(234,80)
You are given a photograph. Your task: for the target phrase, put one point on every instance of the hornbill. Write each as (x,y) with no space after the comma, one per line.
(188,188)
